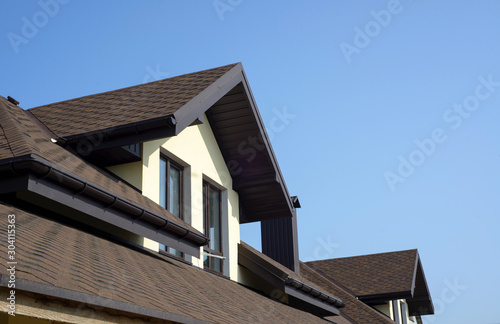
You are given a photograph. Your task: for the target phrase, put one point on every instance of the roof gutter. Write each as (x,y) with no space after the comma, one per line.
(289,281)
(30,164)
(289,285)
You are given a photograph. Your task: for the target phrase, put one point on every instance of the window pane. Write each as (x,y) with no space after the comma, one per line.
(205,261)
(176,252)
(175,192)
(403,313)
(216,264)
(215,219)
(212,226)
(204,209)
(163,183)
(395,307)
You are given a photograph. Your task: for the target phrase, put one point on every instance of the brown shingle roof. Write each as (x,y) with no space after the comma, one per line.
(125,106)
(285,272)
(374,274)
(20,137)
(278,265)
(66,260)
(98,126)
(355,310)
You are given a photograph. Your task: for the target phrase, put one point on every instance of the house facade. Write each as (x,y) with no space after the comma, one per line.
(127,208)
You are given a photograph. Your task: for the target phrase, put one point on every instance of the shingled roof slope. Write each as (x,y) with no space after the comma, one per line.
(355,310)
(374,274)
(125,106)
(287,272)
(20,137)
(61,261)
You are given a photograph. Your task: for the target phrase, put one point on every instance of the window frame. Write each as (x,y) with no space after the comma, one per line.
(169,163)
(404,312)
(207,186)
(396,311)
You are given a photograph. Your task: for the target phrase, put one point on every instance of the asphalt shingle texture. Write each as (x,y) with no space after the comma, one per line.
(19,136)
(372,274)
(61,256)
(355,310)
(125,106)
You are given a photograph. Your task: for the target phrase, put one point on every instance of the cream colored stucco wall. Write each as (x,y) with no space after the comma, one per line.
(385,309)
(196,149)
(130,172)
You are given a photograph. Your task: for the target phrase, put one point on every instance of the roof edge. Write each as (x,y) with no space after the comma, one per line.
(383,297)
(199,104)
(127,87)
(267,141)
(299,285)
(135,128)
(202,102)
(42,169)
(94,300)
(285,282)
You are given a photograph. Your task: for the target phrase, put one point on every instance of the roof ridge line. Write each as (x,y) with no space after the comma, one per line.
(128,87)
(365,255)
(38,123)
(8,142)
(14,132)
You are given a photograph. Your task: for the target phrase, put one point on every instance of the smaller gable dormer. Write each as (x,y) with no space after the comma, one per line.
(393,283)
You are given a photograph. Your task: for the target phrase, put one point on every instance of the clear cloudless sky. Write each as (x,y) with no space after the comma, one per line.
(384,115)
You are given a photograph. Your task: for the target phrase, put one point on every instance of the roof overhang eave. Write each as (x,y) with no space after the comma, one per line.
(376,299)
(318,302)
(132,133)
(34,174)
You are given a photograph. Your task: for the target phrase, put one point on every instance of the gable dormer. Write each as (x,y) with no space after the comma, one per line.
(133,134)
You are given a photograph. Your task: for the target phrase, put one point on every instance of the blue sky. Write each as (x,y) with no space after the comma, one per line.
(383,114)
